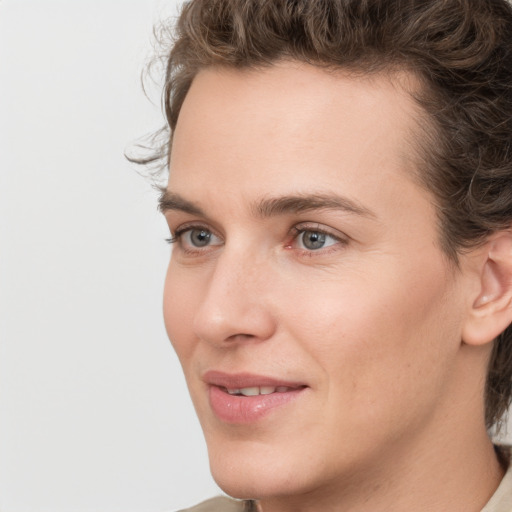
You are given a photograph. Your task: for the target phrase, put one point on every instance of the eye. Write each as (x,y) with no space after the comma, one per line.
(311,239)
(197,237)
(192,238)
(314,240)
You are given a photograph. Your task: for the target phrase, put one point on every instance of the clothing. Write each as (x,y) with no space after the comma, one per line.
(219,504)
(501,500)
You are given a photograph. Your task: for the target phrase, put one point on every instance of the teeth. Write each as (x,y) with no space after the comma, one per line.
(255,391)
(250,391)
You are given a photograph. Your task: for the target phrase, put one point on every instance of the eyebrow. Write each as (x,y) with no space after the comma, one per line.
(300,203)
(274,206)
(171,201)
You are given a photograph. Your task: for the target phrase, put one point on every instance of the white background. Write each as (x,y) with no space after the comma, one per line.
(94,412)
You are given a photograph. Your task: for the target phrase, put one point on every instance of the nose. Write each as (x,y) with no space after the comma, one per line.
(235,306)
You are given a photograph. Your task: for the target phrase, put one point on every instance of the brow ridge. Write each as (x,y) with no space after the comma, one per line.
(299,203)
(273,206)
(171,201)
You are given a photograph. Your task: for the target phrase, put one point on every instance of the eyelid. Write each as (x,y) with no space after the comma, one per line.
(340,238)
(186,226)
(320,228)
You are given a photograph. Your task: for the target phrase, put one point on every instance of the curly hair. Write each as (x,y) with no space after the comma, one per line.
(460,50)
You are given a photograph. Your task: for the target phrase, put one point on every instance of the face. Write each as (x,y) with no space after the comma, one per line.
(314,314)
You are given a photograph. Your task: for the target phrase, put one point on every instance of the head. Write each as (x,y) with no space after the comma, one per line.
(440,76)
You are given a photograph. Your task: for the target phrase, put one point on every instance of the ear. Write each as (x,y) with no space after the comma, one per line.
(491,311)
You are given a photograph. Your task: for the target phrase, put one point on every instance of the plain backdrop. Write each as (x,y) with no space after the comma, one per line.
(94,412)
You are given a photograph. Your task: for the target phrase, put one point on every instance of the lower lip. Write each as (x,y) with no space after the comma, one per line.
(247,409)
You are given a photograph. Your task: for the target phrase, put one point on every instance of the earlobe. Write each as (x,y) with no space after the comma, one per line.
(491,311)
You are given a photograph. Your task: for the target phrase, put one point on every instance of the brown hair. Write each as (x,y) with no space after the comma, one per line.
(461,50)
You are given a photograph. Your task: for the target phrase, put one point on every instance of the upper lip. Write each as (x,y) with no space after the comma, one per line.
(246,380)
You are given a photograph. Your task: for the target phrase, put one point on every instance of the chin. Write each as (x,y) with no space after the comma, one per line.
(251,483)
(259,472)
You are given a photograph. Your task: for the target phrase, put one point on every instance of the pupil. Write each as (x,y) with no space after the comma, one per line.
(200,237)
(313,240)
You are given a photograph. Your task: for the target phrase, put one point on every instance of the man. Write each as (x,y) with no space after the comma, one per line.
(339,292)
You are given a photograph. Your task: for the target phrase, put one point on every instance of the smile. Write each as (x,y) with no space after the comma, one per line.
(245,398)
(254,391)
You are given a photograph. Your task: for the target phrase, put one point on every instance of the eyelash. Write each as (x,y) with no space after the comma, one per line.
(178,234)
(302,228)
(294,233)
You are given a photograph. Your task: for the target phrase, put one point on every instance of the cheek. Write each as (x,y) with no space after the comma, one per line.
(380,336)
(179,305)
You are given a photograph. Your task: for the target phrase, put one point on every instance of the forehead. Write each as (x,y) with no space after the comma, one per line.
(265,129)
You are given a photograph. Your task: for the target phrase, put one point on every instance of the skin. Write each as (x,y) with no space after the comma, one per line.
(372,322)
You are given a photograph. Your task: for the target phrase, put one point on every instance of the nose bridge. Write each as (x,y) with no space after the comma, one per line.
(234,305)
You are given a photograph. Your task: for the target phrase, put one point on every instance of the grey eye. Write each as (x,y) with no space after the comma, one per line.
(312,240)
(199,237)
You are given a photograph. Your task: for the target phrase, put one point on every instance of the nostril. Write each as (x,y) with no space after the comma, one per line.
(241,337)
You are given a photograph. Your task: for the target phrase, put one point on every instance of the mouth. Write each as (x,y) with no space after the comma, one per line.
(247,398)
(255,390)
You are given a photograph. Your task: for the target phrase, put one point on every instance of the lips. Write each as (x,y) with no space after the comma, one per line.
(258,390)
(246,398)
